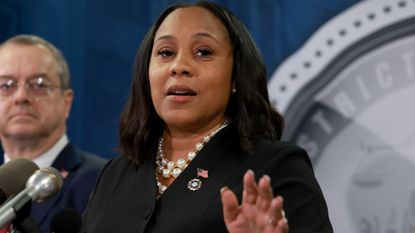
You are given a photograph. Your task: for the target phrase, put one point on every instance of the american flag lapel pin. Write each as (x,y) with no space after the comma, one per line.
(64,173)
(202,173)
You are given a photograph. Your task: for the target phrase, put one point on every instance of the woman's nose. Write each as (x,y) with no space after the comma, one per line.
(181,66)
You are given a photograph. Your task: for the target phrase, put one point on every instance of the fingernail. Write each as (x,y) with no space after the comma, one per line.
(281,198)
(223,189)
(251,172)
(267,177)
(285,220)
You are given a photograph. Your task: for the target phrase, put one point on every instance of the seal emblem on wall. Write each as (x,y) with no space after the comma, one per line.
(348,97)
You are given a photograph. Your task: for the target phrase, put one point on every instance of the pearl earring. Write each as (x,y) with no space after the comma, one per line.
(234,90)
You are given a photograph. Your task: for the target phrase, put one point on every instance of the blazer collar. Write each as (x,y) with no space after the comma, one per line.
(66,162)
(68,159)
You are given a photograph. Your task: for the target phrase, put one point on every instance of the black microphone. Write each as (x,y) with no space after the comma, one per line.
(13,177)
(39,187)
(66,221)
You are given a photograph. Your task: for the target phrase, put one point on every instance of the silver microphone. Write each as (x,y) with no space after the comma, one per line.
(43,184)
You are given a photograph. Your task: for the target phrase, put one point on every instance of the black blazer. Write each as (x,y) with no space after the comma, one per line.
(125,197)
(81,170)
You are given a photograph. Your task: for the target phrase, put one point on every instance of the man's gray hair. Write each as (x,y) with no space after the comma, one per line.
(63,70)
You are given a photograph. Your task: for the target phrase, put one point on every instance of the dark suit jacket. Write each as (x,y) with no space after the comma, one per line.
(125,197)
(82,170)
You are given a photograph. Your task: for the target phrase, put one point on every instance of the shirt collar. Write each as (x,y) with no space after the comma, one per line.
(46,159)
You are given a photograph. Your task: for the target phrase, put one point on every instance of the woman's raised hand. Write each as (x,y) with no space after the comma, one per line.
(259,212)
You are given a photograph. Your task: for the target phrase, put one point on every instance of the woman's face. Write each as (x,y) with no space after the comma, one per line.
(191,69)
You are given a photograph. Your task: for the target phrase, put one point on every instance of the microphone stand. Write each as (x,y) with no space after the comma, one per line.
(24,223)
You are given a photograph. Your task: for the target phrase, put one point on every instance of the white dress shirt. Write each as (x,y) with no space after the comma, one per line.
(46,159)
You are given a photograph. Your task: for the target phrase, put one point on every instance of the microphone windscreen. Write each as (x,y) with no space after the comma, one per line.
(45,182)
(67,220)
(57,177)
(14,174)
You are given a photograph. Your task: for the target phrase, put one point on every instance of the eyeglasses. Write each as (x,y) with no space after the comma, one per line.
(37,86)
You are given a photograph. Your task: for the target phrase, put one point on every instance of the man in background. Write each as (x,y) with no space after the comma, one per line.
(35,101)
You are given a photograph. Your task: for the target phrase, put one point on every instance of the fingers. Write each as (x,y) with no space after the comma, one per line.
(275,210)
(271,207)
(276,221)
(280,227)
(283,226)
(260,211)
(264,193)
(250,192)
(230,205)
(258,195)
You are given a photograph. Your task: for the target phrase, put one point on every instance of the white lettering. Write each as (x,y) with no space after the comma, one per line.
(362,87)
(409,60)
(344,104)
(319,118)
(381,70)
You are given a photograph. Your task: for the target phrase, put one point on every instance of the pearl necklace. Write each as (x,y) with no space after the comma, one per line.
(173,169)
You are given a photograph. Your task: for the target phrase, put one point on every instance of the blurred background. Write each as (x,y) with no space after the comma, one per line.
(100,38)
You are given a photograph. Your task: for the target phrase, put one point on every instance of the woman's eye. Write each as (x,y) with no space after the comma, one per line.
(165,53)
(203,52)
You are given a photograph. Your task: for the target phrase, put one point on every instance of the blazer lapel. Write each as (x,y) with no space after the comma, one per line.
(128,201)
(65,163)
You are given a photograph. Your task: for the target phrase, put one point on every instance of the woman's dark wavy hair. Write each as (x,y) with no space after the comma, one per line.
(249,109)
